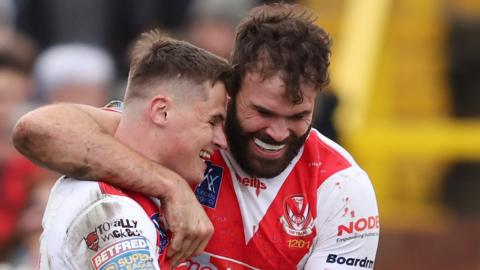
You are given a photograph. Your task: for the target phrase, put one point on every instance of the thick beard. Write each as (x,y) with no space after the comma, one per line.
(239,140)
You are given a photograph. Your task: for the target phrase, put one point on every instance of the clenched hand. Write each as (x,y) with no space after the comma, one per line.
(190,227)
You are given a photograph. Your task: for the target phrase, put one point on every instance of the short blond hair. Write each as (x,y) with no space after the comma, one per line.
(156,58)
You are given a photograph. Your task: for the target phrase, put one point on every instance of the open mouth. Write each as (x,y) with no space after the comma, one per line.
(268,147)
(204,154)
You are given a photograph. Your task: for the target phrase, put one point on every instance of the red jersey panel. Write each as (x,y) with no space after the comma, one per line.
(274,223)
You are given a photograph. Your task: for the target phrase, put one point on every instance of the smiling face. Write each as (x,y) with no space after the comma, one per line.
(195,132)
(265,130)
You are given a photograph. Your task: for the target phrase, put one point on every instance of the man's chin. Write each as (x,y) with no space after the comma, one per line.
(195,178)
(268,168)
(195,181)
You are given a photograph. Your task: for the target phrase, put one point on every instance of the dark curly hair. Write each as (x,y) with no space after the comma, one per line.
(282,38)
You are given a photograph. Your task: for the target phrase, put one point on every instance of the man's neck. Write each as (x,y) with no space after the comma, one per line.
(137,137)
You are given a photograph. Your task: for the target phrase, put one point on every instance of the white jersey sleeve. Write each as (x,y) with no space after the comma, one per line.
(110,232)
(347,223)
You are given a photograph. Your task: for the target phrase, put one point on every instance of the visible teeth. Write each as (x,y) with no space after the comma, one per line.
(266,146)
(204,154)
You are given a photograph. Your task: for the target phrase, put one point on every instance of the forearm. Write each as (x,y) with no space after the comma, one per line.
(68,139)
(78,141)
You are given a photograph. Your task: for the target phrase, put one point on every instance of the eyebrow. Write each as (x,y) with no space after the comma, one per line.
(263,109)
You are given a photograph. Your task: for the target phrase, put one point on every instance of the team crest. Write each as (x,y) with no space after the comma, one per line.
(207,192)
(297,219)
(92,241)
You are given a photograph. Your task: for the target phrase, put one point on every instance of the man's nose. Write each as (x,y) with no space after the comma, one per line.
(278,129)
(219,138)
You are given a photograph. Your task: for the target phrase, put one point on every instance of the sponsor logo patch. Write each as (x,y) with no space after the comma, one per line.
(125,254)
(358,228)
(365,262)
(207,192)
(120,228)
(252,182)
(297,219)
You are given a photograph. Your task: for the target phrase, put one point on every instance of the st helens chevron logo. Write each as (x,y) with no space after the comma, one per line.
(297,219)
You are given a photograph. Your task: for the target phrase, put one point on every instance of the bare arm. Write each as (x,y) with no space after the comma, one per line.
(77,140)
(69,138)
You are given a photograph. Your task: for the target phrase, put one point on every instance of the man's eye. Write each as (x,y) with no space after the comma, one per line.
(215,122)
(298,117)
(264,113)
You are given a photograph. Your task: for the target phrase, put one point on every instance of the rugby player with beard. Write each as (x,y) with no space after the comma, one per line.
(283,196)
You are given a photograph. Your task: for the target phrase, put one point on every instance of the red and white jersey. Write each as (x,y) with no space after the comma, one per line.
(92,225)
(319,213)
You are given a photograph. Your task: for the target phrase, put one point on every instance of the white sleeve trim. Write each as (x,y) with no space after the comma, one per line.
(347,223)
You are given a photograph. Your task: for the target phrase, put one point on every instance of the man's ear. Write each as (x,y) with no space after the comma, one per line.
(159,108)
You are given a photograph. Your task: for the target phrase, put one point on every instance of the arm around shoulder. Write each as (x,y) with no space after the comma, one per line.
(77,140)
(61,137)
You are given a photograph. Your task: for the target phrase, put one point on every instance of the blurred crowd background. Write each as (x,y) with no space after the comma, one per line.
(404,100)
